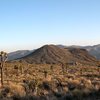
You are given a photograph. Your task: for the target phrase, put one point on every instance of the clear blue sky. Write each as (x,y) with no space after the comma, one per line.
(29,24)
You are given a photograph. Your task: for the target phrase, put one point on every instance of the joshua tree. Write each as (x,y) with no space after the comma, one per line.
(66,67)
(3,58)
(45,73)
(17,71)
(21,69)
(63,69)
(51,67)
(6,73)
(62,65)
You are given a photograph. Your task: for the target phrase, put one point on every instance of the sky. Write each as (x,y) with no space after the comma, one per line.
(29,24)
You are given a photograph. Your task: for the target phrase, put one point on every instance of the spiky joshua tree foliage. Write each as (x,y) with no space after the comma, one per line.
(3,58)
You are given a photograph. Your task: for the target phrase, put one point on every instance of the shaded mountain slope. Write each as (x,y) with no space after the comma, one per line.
(94,50)
(18,54)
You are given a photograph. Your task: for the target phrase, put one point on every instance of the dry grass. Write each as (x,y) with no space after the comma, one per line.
(29,79)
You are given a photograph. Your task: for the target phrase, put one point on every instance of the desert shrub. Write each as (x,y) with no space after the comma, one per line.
(16,89)
(58,94)
(5,91)
(71,87)
(68,96)
(32,85)
(29,97)
(15,67)
(16,97)
(46,85)
(26,81)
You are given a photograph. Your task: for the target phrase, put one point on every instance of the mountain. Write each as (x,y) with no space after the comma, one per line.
(93,50)
(48,54)
(18,54)
(54,54)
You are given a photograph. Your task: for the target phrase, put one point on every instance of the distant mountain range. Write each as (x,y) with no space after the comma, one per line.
(53,54)
(93,50)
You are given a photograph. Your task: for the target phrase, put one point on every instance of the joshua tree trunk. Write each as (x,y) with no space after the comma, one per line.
(45,74)
(1,76)
(3,57)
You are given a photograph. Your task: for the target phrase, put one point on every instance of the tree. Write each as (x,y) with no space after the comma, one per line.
(45,73)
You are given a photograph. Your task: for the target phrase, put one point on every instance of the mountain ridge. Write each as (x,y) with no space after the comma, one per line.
(93,50)
(52,54)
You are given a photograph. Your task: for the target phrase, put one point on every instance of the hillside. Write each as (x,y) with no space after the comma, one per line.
(82,55)
(53,54)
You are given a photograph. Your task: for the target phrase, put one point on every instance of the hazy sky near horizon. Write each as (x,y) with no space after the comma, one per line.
(29,24)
